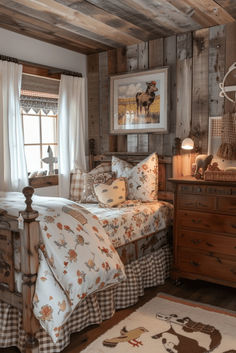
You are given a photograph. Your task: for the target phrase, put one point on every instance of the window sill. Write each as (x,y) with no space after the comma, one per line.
(43,181)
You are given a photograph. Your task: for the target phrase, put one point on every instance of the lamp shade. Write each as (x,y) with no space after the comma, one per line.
(187,144)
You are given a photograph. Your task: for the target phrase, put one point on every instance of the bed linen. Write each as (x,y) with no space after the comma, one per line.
(133,219)
(76,257)
(148,271)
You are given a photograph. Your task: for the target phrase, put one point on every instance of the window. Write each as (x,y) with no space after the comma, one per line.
(40,131)
(39,99)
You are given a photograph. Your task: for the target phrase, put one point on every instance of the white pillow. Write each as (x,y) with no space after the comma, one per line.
(142,179)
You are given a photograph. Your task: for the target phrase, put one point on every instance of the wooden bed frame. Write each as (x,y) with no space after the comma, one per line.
(29,237)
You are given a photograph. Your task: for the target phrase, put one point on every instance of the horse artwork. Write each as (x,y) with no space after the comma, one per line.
(139,102)
(145,99)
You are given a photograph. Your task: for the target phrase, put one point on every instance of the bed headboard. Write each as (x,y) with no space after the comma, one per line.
(165,168)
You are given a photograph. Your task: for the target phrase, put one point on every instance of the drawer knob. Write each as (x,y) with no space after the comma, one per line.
(196,221)
(196,241)
(194,263)
(233,226)
(201,204)
(209,244)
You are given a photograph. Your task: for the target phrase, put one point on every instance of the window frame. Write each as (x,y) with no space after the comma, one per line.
(40,144)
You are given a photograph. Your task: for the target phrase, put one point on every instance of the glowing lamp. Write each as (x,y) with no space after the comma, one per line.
(187,144)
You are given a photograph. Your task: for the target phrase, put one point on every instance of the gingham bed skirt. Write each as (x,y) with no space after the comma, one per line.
(150,270)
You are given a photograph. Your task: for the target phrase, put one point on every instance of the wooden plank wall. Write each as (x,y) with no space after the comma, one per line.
(197,62)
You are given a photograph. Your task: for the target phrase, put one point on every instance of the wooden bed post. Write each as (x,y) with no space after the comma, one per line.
(29,268)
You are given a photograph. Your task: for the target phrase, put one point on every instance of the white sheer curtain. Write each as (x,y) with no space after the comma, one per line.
(13,174)
(71,131)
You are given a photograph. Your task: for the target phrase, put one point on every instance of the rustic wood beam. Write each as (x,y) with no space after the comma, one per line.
(38,35)
(164,14)
(21,18)
(66,14)
(194,13)
(109,19)
(211,9)
(229,6)
(123,10)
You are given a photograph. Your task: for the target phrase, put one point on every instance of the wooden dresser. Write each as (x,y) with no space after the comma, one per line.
(205,230)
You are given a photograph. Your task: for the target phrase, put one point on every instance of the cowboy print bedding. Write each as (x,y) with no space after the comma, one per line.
(76,257)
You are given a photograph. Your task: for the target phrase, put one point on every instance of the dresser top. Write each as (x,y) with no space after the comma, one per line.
(191,180)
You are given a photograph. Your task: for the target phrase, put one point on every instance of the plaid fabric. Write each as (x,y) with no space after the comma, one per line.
(150,270)
(77,185)
(77,180)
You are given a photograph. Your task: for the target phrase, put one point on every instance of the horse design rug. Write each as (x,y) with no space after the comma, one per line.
(168,324)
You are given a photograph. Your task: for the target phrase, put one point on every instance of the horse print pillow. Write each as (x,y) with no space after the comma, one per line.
(142,179)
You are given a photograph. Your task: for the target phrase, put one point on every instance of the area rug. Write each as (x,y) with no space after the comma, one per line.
(168,324)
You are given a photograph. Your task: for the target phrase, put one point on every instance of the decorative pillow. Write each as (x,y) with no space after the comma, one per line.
(91,179)
(78,184)
(111,195)
(142,179)
(104,167)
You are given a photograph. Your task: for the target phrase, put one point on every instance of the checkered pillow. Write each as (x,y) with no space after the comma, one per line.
(77,185)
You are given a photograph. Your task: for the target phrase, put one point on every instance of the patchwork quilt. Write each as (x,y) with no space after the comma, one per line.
(77,257)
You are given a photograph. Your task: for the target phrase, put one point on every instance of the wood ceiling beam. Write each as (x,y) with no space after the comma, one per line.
(79,43)
(122,10)
(165,14)
(68,15)
(108,18)
(212,10)
(46,38)
(196,15)
(229,6)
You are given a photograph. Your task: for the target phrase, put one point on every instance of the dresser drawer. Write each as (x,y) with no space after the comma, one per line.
(185,189)
(206,221)
(208,242)
(218,190)
(226,204)
(203,264)
(200,202)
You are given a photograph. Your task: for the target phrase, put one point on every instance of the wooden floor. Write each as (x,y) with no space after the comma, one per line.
(195,290)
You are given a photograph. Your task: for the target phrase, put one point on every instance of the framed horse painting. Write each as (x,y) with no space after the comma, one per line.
(138,102)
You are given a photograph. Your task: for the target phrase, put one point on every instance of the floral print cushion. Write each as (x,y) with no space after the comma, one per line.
(142,179)
(111,195)
(81,182)
(91,179)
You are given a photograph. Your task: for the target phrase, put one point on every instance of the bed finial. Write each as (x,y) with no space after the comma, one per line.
(29,214)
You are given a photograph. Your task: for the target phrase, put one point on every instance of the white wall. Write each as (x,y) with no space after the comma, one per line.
(38,52)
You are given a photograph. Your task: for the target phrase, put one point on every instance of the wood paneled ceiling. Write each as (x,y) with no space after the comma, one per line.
(90,26)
